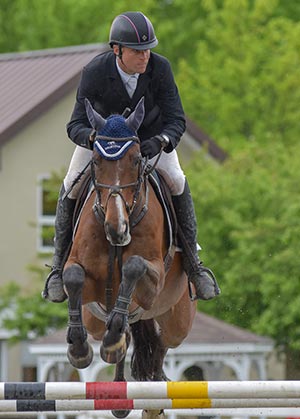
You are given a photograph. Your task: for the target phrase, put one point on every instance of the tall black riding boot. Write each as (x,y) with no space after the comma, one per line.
(54,290)
(203,278)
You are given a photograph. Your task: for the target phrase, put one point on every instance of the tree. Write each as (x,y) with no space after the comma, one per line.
(27,315)
(243,84)
(39,24)
(249,226)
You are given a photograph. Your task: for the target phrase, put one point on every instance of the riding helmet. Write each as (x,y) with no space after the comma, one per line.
(133,30)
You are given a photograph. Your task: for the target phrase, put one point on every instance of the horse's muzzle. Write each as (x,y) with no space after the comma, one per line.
(118,237)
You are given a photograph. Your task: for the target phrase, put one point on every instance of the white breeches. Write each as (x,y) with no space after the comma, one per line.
(168,166)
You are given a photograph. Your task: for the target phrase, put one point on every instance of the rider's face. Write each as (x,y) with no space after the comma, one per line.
(133,60)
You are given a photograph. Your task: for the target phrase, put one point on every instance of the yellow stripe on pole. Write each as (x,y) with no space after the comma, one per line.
(191,403)
(187,390)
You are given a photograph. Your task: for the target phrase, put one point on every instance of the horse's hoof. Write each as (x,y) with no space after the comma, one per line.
(114,355)
(120,413)
(153,414)
(80,361)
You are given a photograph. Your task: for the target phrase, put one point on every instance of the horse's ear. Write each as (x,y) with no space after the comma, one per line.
(136,118)
(97,121)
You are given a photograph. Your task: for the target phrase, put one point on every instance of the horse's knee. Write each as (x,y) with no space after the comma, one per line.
(73,278)
(134,268)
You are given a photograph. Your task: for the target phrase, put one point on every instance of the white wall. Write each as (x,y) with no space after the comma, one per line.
(40,148)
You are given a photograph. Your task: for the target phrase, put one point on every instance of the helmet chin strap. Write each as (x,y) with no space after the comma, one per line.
(120,52)
(120,55)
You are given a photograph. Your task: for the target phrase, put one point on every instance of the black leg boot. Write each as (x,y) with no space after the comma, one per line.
(203,278)
(54,290)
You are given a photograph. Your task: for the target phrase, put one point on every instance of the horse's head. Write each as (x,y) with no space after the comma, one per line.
(116,169)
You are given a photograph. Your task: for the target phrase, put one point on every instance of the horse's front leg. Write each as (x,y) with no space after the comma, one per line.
(117,336)
(80,352)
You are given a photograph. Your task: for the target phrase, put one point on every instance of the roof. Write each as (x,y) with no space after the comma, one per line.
(202,138)
(31,82)
(206,330)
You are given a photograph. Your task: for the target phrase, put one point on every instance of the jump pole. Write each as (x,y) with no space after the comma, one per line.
(151,390)
(246,412)
(119,404)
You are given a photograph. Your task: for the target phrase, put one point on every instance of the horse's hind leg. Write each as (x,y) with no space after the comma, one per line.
(148,357)
(119,376)
(148,352)
(153,414)
(80,353)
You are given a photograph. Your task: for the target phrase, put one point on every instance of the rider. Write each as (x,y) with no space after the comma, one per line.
(113,81)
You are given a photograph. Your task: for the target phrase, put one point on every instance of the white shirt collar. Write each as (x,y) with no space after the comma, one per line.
(129,80)
(125,76)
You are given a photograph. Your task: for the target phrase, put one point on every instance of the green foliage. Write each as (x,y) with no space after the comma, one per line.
(290,9)
(243,83)
(249,226)
(39,24)
(28,315)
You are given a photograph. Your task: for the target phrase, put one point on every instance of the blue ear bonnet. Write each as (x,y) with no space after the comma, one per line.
(115,127)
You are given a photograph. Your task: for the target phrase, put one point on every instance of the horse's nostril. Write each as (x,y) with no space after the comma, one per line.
(119,236)
(125,228)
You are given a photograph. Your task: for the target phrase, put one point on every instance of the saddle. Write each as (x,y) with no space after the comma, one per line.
(163,195)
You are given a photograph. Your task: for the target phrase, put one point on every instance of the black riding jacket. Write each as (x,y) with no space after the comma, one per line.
(102,85)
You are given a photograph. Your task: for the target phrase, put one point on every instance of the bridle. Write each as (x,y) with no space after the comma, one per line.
(117,190)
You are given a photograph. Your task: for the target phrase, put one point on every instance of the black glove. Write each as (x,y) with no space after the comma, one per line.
(151,147)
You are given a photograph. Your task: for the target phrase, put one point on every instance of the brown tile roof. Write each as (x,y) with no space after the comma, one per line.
(31,82)
(205,330)
(209,330)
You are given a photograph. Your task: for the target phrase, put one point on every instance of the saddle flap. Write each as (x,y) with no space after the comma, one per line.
(164,196)
(84,192)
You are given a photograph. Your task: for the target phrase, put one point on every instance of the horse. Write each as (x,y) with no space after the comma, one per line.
(118,278)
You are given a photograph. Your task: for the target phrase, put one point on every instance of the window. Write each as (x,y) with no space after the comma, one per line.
(46,208)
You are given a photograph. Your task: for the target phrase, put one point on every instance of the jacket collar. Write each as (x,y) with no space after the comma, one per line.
(118,86)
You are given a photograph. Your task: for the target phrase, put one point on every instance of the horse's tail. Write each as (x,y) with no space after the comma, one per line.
(148,352)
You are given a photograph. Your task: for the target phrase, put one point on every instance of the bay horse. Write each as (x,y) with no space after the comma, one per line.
(118,282)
